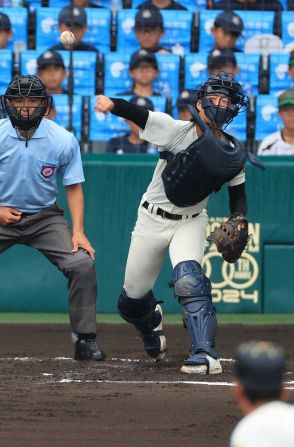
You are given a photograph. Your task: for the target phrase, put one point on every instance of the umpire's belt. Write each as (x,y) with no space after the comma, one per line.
(165,214)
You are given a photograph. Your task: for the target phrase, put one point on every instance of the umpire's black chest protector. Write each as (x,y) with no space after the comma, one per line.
(202,168)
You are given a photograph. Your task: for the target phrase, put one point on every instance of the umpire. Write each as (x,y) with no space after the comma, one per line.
(33,151)
(268,421)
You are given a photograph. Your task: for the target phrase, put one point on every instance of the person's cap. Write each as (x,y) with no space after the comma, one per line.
(260,365)
(50,58)
(148,19)
(73,16)
(5,24)
(141,101)
(143,56)
(286,98)
(229,21)
(186,97)
(220,57)
(291,59)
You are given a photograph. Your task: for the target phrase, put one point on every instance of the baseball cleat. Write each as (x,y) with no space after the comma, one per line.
(211,366)
(88,349)
(154,340)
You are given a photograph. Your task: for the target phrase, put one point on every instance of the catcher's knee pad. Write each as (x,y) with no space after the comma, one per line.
(193,290)
(139,311)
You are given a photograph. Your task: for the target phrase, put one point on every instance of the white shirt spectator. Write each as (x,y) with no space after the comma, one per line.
(270,425)
(274,144)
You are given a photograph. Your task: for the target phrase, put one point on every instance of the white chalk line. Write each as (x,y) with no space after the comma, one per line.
(153,382)
(66,359)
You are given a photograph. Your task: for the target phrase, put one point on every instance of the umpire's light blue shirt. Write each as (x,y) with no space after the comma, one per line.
(28,174)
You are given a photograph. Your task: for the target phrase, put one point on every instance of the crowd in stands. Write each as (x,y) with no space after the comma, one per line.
(156,51)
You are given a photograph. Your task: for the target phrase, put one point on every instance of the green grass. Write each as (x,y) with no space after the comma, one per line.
(11,317)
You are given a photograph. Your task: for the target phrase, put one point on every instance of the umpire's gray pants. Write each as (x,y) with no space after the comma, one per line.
(49,233)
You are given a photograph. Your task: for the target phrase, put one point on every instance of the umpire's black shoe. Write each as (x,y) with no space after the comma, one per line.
(88,349)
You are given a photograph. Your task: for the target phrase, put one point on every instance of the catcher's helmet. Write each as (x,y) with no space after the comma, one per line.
(222,84)
(26,87)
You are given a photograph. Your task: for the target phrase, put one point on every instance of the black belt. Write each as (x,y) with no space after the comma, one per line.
(167,215)
(27,214)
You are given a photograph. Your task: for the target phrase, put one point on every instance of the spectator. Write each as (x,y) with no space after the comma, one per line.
(149,30)
(227,27)
(222,59)
(132,143)
(291,66)
(185,98)
(73,18)
(5,30)
(250,5)
(162,4)
(143,70)
(51,71)
(268,421)
(282,141)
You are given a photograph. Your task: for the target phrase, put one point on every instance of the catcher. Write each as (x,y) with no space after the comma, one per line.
(196,158)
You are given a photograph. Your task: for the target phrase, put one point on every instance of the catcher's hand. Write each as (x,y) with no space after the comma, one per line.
(231,237)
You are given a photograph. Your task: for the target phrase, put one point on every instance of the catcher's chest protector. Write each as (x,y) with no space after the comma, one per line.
(208,163)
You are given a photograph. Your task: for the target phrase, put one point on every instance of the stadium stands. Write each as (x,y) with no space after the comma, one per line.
(5,69)
(84,63)
(103,127)
(263,77)
(267,119)
(117,78)
(19,23)
(262,23)
(98,34)
(177,30)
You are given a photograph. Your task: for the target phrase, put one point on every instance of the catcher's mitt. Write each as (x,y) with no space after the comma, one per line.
(231,237)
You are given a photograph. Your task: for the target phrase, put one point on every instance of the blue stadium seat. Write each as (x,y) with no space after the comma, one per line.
(177,34)
(288,29)
(254,23)
(284,3)
(62,109)
(98,34)
(5,69)
(238,127)
(84,63)
(103,127)
(267,118)
(117,78)
(279,78)
(249,72)
(191,5)
(196,71)
(112,4)
(19,22)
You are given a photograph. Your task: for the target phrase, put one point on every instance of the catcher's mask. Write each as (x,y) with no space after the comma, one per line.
(26,102)
(224,85)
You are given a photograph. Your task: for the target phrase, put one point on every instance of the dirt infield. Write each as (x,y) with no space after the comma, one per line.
(47,399)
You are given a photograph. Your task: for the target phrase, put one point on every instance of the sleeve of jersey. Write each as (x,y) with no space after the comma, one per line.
(71,169)
(160,130)
(238,179)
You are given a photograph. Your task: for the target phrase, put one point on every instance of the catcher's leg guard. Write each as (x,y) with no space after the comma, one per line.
(146,315)
(193,290)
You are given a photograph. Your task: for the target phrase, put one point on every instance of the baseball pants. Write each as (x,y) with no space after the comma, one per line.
(48,232)
(151,238)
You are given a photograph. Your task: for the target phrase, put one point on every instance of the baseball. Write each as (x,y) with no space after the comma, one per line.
(67,38)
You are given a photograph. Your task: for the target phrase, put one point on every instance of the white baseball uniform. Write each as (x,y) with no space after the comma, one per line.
(153,234)
(270,425)
(274,144)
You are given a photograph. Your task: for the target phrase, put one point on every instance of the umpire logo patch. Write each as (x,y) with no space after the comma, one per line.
(47,171)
